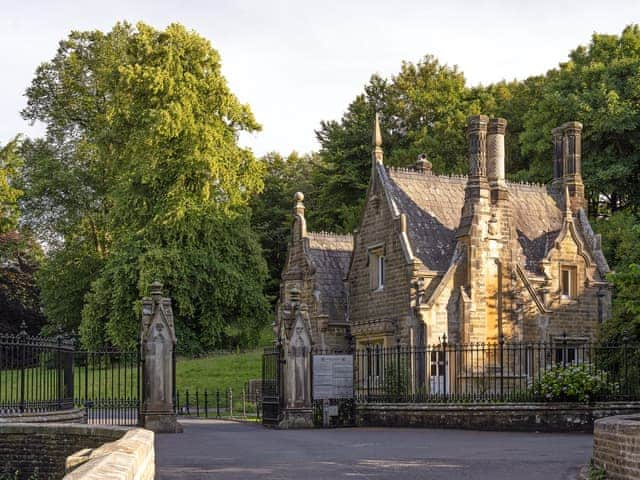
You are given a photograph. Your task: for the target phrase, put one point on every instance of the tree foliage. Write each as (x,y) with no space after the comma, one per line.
(599,86)
(139,177)
(10,162)
(272,217)
(423,109)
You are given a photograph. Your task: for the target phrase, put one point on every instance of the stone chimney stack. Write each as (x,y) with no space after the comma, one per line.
(476,192)
(567,163)
(477,135)
(558,157)
(495,158)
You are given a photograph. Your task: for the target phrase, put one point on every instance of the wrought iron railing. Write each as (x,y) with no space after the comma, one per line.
(36,373)
(219,403)
(107,383)
(564,370)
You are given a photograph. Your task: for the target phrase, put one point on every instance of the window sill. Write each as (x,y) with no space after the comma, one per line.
(567,300)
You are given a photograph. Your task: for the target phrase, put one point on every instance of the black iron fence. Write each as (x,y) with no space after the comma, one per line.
(107,384)
(36,374)
(219,403)
(564,370)
(39,375)
(271,385)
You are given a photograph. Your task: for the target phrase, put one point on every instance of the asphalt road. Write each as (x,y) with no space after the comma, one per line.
(234,451)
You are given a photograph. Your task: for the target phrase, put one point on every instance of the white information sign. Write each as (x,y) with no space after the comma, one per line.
(332,376)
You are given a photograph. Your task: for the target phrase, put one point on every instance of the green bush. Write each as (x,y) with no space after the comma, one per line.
(574,383)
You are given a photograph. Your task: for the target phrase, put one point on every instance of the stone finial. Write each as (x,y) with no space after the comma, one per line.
(378,153)
(477,135)
(300,223)
(423,164)
(156,290)
(298,207)
(567,204)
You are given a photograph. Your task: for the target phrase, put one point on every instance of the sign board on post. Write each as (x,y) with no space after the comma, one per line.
(332,377)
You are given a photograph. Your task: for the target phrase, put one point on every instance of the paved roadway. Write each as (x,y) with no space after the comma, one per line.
(232,451)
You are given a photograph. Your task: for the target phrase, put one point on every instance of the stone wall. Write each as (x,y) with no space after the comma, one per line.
(31,447)
(131,457)
(545,417)
(75,415)
(616,446)
(379,315)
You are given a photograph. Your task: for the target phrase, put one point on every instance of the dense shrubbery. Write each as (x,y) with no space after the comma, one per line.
(574,383)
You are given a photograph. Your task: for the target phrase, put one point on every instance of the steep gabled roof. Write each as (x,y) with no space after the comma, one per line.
(433,205)
(330,254)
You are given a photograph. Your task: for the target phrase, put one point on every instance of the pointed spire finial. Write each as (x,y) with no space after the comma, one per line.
(567,204)
(377,136)
(378,154)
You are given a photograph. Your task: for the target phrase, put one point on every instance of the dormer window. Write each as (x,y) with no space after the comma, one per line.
(568,282)
(376,268)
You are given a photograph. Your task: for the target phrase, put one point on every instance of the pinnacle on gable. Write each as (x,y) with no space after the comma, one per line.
(378,153)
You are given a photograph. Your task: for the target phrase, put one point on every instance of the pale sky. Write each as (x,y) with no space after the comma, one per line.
(299,62)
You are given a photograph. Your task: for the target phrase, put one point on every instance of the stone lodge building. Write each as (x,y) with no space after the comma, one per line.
(470,257)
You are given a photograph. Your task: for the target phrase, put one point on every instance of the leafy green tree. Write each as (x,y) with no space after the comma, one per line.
(621,246)
(10,162)
(272,216)
(143,178)
(598,86)
(20,256)
(423,109)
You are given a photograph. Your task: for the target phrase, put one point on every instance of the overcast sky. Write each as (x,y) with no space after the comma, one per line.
(299,62)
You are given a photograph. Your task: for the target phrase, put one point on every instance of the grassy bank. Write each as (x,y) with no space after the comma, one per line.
(222,371)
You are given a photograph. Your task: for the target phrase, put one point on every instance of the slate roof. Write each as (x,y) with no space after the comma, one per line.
(433,205)
(330,255)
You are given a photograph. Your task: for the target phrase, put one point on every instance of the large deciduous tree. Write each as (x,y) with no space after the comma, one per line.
(140,176)
(600,87)
(423,109)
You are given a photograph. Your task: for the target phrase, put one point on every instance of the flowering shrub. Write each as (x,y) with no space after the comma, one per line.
(574,383)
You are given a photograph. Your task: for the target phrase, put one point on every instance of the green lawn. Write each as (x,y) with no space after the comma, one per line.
(232,370)
(217,372)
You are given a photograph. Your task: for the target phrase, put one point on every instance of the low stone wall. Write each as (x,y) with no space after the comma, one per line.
(546,417)
(616,446)
(75,415)
(131,457)
(43,448)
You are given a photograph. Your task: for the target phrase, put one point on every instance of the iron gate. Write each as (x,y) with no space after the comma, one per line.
(108,384)
(271,385)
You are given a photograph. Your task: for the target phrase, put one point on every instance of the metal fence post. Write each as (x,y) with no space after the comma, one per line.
(23,354)
(230,402)
(244,406)
(60,371)
(445,364)
(501,341)
(398,387)
(625,340)
(217,403)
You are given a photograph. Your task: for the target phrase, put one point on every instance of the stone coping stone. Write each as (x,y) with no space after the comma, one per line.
(132,457)
(78,429)
(74,415)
